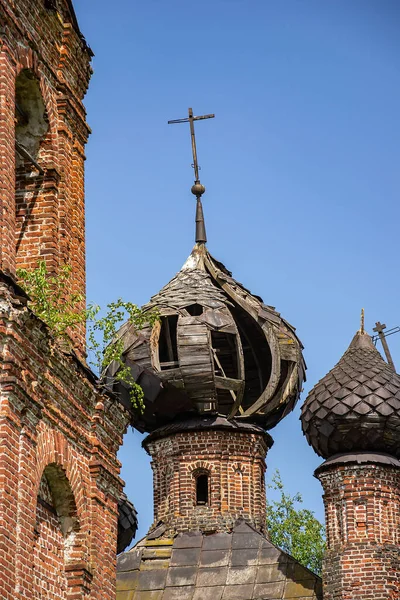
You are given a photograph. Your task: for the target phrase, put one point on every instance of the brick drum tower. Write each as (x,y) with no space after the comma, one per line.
(218,369)
(59,483)
(352,419)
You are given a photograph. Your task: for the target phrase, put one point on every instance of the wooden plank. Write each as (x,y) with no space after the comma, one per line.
(185,330)
(194,360)
(193,340)
(195,369)
(172,363)
(169,374)
(139,352)
(226,383)
(188,321)
(199,350)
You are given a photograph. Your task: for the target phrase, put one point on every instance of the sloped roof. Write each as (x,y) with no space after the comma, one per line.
(127,522)
(222,566)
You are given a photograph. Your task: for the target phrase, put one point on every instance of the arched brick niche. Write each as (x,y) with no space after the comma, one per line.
(208,478)
(57,549)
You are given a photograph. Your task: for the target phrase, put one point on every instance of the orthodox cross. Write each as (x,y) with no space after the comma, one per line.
(197,189)
(379,329)
(191,119)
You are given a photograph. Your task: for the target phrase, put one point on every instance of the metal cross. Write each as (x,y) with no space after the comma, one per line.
(379,329)
(191,120)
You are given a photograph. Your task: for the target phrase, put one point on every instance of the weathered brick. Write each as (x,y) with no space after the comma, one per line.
(236,483)
(59,473)
(45,71)
(362,559)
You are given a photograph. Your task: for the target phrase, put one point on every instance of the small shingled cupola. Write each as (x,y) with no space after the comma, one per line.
(356,406)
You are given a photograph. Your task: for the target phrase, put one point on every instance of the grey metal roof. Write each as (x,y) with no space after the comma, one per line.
(361,458)
(222,566)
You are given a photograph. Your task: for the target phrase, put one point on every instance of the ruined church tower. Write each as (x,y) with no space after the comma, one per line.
(219,368)
(59,475)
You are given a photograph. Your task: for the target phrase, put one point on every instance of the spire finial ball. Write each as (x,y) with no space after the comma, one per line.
(198,189)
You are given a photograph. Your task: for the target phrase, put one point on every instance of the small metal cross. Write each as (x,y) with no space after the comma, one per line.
(191,120)
(379,329)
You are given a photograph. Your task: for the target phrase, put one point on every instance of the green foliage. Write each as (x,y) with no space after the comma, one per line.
(61,311)
(294,529)
(109,348)
(50,300)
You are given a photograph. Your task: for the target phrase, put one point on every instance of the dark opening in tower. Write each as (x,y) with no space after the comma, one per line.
(225,355)
(194,310)
(202,481)
(31,127)
(256,353)
(167,344)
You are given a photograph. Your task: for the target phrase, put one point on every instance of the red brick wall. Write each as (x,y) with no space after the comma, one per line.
(235,462)
(362,510)
(52,414)
(42,216)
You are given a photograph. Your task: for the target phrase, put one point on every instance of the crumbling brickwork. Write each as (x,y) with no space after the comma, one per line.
(234,464)
(362,510)
(44,74)
(59,475)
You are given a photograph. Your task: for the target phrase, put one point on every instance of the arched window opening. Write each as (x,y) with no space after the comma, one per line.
(167,344)
(202,485)
(57,541)
(31,129)
(31,122)
(194,310)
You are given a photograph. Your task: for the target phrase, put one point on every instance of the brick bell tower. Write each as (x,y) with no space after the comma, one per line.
(352,419)
(218,370)
(45,71)
(59,475)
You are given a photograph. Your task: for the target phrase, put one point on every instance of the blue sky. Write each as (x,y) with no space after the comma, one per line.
(300,166)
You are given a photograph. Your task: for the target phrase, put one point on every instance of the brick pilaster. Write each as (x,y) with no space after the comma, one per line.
(7,160)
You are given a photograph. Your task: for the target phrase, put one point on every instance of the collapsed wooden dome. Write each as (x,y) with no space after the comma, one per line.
(216,348)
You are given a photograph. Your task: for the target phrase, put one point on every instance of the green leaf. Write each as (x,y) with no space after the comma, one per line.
(294,529)
(62,311)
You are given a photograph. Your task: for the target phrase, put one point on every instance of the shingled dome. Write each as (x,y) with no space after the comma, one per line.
(216,348)
(356,406)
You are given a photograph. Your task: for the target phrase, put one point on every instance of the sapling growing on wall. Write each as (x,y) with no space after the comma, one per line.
(50,300)
(61,310)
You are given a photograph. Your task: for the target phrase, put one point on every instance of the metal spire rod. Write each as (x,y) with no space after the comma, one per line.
(379,327)
(197,189)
